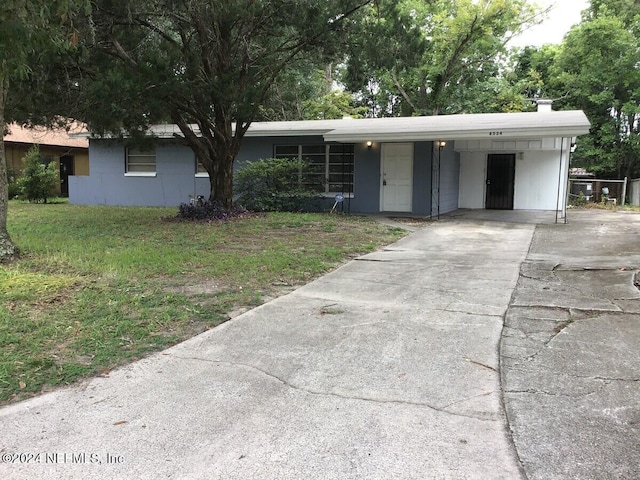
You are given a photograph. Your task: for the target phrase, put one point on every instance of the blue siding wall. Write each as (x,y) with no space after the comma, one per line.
(107,184)
(175,178)
(366,188)
(422,158)
(449,179)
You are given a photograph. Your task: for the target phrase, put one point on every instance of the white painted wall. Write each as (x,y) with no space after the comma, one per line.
(537,172)
(473,174)
(634,192)
(536,184)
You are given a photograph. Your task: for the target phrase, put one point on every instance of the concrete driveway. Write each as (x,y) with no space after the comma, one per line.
(387,368)
(571,350)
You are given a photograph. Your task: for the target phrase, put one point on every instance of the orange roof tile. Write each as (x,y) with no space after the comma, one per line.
(44,136)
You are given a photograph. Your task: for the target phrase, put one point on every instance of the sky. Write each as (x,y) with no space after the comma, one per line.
(564,14)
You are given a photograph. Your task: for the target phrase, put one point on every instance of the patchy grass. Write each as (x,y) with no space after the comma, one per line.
(609,206)
(97,287)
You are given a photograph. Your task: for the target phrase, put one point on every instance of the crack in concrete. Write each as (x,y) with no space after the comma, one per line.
(548,394)
(579,288)
(464,400)
(598,310)
(490,315)
(489,367)
(558,329)
(341,396)
(376,260)
(587,268)
(610,379)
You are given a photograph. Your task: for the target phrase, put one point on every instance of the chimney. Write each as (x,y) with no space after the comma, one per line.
(544,105)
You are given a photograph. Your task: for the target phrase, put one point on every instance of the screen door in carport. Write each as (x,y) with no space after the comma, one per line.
(501,170)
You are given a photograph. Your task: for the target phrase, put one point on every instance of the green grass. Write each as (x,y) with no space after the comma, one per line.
(97,287)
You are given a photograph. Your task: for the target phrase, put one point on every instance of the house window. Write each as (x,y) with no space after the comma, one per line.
(331,165)
(140,161)
(200,170)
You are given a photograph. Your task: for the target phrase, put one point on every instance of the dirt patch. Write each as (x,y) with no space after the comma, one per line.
(413,221)
(206,288)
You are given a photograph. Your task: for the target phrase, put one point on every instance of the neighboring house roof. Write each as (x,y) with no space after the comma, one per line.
(581,172)
(48,137)
(442,127)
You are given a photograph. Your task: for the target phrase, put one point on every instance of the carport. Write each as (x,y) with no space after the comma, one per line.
(506,161)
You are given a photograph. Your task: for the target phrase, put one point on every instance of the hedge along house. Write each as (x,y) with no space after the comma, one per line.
(70,153)
(423,166)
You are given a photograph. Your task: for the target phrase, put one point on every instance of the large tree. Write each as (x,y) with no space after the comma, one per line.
(427,58)
(208,66)
(309,92)
(599,67)
(32,34)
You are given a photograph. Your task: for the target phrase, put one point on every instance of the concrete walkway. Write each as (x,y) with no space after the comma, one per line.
(387,368)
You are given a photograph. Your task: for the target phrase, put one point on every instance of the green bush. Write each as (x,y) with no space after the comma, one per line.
(14,191)
(580,200)
(279,184)
(38,181)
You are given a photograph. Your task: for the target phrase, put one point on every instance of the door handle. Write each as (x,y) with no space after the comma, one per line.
(488,182)
(384,183)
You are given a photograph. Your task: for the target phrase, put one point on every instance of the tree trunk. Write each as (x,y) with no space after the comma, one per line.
(216,151)
(8,250)
(222,181)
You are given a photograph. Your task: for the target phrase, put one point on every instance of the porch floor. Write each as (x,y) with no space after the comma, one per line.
(538,217)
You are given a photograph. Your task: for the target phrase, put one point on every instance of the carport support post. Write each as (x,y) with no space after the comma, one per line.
(559,183)
(624,192)
(563,169)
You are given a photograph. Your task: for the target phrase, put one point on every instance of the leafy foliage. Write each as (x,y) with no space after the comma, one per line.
(430,58)
(533,72)
(599,68)
(278,184)
(206,65)
(308,93)
(32,34)
(38,181)
(13,190)
(205,210)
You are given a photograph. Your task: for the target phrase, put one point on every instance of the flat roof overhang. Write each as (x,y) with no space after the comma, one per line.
(522,125)
(465,127)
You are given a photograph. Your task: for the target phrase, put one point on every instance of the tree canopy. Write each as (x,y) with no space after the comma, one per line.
(428,58)
(209,66)
(599,68)
(31,33)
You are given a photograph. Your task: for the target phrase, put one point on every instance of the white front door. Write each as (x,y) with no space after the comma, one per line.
(396,189)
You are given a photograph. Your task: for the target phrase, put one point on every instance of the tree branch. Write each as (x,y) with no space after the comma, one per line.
(402,91)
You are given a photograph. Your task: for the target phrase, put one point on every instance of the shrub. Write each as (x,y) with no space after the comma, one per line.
(580,200)
(278,184)
(205,210)
(38,181)
(12,177)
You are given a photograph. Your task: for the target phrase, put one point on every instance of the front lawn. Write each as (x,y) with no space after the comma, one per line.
(97,287)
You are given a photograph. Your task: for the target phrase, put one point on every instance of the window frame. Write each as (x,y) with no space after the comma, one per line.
(139,152)
(327,154)
(200,173)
